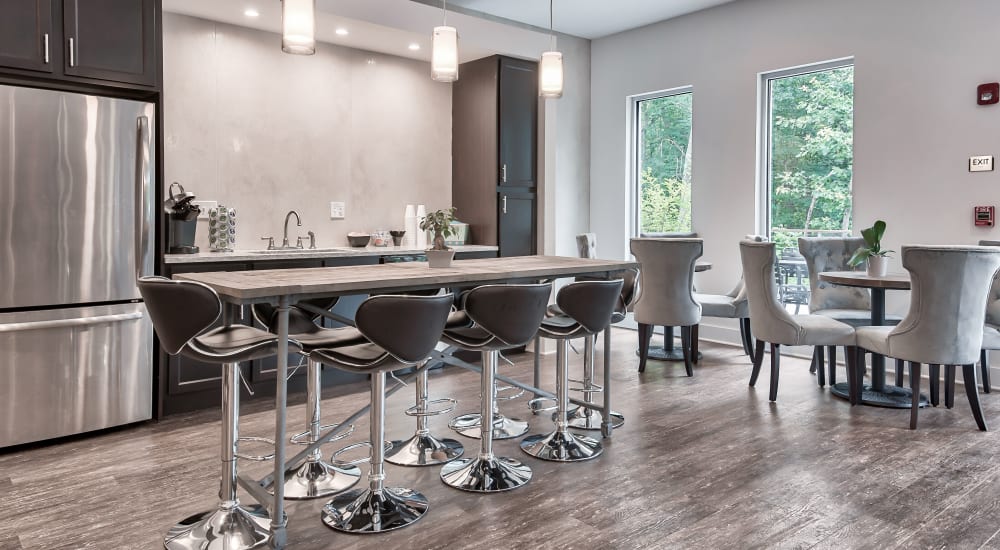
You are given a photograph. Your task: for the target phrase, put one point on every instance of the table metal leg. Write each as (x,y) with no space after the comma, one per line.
(278,519)
(607,425)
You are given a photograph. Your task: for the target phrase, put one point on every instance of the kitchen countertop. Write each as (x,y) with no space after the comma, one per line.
(334,252)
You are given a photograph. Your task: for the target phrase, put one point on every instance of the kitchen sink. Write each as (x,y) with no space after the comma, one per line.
(294,251)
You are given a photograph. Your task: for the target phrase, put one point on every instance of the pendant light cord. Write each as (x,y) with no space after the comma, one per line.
(444,8)
(552,36)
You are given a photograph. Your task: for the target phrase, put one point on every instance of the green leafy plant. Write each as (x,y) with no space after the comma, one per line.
(873,244)
(439,222)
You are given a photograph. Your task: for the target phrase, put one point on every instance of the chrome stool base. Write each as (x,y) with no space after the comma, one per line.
(424,450)
(562,447)
(485,475)
(236,528)
(364,511)
(538,405)
(318,479)
(503,427)
(588,419)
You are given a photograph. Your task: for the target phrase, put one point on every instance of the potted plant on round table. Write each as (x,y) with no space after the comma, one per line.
(439,223)
(878,259)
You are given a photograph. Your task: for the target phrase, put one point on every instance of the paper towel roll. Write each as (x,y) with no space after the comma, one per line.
(421,235)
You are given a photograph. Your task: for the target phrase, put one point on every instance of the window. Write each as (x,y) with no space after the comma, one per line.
(807,152)
(662,163)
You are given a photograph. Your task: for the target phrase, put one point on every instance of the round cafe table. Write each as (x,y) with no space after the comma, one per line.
(667,352)
(878,393)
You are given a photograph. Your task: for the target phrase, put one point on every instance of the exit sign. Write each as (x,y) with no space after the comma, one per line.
(981,164)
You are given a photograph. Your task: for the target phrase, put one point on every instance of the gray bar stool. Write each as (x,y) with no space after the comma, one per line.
(588,306)
(182,313)
(505,316)
(314,477)
(401,332)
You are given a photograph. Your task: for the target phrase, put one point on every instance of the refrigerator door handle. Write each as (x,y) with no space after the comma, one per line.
(76,322)
(143,197)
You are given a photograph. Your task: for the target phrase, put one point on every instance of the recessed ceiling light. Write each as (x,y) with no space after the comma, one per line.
(250,12)
(342,32)
(414,46)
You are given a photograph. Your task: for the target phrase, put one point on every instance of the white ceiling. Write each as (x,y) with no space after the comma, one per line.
(587,18)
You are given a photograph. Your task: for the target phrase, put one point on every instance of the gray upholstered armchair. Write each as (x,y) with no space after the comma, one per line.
(732,305)
(991,332)
(770,321)
(944,326)
(666,291)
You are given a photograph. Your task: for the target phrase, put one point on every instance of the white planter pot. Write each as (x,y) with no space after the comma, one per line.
(439,258)
(878,266)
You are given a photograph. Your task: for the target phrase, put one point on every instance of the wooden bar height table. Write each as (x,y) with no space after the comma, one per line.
(285,287)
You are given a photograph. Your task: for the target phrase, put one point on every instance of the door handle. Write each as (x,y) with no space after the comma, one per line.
(503,173)
(504,204)
(142,194)
(45,46)
(72,52)
(67,323)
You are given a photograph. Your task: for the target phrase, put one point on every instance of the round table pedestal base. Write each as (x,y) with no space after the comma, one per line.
(657,353)
(893,397)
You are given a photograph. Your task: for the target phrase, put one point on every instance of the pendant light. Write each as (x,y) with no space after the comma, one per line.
(298,26)
(550,69)
(444,51)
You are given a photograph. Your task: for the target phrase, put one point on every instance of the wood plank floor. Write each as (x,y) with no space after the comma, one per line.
(702,462)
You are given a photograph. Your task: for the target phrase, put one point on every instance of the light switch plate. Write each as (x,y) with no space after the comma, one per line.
(337,210)
(205,206)
(981,164)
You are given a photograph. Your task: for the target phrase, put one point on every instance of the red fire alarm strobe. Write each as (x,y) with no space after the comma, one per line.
(988,94)
(984,216)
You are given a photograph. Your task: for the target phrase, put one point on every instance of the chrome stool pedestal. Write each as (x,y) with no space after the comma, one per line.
(582,417)
(377,508)
(503,427)
(423,449)
(486,473)
(231,526)
(314,477)
(562,445)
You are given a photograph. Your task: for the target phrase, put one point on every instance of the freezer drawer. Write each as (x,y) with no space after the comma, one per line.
(69,371)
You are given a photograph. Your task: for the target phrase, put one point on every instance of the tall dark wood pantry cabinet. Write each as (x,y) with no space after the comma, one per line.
(495,152)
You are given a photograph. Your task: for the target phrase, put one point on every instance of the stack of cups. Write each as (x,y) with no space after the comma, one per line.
(421,235)
(410,226)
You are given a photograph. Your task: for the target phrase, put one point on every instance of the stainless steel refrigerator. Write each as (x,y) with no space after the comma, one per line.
(76,230)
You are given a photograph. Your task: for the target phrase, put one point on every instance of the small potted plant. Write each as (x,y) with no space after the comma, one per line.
(439,223)
(878,259)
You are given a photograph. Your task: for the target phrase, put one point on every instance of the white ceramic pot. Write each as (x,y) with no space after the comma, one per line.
(878,266)
(439,258)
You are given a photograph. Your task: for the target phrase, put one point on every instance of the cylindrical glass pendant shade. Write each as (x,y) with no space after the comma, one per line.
(298,26)
(444,57)
(550,75)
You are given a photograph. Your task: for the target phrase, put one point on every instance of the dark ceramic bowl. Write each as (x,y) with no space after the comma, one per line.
(358,240)
(397,236)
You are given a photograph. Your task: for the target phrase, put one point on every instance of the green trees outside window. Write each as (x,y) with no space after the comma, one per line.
(664,163)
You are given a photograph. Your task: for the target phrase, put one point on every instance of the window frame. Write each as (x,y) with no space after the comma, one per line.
(762,214)
(635,135)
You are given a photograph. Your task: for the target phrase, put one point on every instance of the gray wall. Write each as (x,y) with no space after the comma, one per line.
(917,64)
(265,132)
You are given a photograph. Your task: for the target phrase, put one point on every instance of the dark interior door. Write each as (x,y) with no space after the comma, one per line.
(518,122)
(26,35)
(111,39)
(516,217)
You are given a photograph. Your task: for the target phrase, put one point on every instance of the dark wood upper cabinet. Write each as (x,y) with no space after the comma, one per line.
(26,35)
(518,122)
(111,40)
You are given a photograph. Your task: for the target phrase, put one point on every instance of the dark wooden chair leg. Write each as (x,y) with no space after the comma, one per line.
(969,377)
(686,349)
(935,377)
(775,364)
(850,356)
(750,342)
(984,364)
(859,375)
(915,388)
(820,359)
(949,386)
(694,344)
(745,337)
(645,335)
(832,366)
(758,360)
(812,364)
(899,372)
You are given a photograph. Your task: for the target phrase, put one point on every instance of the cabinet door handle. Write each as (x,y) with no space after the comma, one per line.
(505,204)
(72,52)
(45,46)
(503,173)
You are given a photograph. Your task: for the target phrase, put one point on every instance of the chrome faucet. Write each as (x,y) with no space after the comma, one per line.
(298,222)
